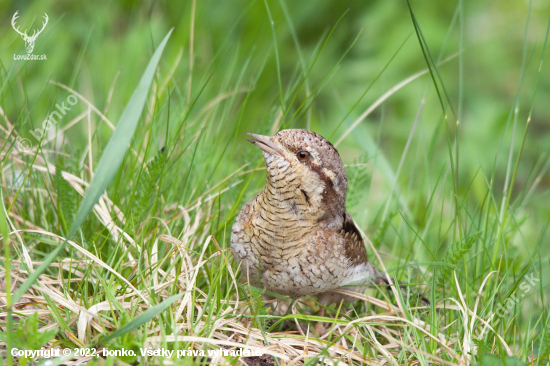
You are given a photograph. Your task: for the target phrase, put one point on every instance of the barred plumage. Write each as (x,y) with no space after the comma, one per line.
(295,237)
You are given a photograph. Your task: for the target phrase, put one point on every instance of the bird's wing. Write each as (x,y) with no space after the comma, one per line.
(354,247)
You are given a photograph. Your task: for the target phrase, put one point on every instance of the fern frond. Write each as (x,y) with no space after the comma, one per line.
(147,186)
(455,252)
(357,180)
(66,197)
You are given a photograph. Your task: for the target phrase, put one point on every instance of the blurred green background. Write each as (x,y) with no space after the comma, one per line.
(352,52)
(89,43)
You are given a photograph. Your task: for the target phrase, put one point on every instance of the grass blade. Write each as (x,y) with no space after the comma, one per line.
(146,316)
(110,161)
(118,143)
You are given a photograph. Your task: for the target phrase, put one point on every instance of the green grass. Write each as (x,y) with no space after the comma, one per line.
(117,233)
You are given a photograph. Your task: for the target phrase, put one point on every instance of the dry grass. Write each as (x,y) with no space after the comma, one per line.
(387,334)
(107,287)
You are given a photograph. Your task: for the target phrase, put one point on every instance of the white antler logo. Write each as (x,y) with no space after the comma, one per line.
(29,40)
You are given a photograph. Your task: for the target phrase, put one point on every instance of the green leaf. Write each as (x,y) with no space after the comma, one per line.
(110,161)
(141,319)
(482,347)
(27,336)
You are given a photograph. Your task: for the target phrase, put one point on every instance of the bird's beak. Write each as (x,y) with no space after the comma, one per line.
(265,143)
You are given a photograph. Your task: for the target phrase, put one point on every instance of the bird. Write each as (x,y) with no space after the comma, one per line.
(295,237)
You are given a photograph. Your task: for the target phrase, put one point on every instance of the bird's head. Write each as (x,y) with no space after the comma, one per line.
(305,171)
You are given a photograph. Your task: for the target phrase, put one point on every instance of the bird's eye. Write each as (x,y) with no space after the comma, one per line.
(302,155)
